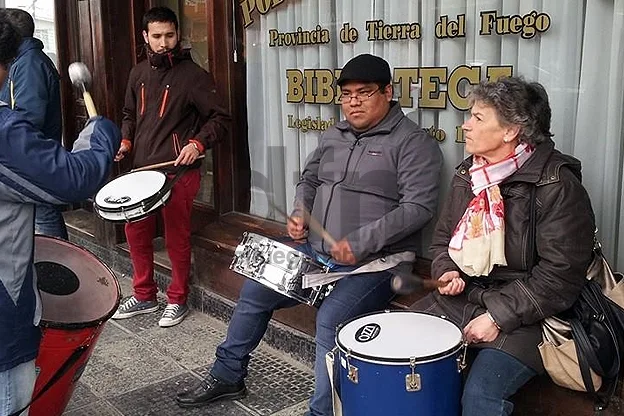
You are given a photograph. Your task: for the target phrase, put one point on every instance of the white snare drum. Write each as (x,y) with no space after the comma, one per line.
(278,267)
(132,196)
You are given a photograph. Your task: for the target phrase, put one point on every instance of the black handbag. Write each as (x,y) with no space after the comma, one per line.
(583,347)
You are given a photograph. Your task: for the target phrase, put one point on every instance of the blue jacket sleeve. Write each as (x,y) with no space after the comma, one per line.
(43,171)
(30,90)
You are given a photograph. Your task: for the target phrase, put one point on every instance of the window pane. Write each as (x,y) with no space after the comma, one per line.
(436,49)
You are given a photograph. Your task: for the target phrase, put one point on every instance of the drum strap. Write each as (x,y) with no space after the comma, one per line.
(168,187)
(378,265)
(57,376)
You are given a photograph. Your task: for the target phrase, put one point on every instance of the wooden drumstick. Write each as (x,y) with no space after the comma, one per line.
(160,165)
(81,77)
(312,223)
(318,228)
(406,283)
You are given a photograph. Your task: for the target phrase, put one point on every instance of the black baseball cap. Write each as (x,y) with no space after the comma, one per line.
(365,68)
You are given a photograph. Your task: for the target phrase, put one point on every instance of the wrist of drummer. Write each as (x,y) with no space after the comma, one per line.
(127,143)
(197,145)
(491,318)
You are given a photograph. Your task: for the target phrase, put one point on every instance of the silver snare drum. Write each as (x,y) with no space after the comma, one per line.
(278,267)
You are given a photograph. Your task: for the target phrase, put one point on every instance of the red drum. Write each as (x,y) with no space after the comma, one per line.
(79,294)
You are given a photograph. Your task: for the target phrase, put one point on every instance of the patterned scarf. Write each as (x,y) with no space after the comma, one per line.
(478,242)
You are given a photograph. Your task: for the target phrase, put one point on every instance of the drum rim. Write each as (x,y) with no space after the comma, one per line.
(43,323)
(136,204)
(375,359)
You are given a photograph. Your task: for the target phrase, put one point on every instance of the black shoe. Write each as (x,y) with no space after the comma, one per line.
(208,391)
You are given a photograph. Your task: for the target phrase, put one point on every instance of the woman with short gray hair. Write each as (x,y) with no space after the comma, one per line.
(512,243)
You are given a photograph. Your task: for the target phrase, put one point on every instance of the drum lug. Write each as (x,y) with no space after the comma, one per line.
(412,381)
(328,290)
(461,360)
(352,371)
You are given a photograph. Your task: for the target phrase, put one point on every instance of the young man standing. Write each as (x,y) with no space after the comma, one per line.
(33,171)
(171,111)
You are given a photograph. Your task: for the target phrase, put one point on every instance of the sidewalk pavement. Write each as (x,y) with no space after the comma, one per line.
(137,368)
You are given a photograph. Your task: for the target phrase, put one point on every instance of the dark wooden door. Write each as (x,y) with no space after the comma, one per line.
(103,35)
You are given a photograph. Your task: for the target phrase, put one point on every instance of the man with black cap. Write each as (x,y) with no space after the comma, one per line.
(373,185)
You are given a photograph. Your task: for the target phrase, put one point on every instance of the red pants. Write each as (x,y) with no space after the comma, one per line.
(177,220)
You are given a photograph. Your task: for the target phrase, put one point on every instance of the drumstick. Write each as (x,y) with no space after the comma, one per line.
(312,223)
(318,228)
(406,283)
(160,165)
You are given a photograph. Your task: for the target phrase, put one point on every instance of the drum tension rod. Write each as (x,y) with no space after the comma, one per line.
(461,360)
(352,373)
(412,381)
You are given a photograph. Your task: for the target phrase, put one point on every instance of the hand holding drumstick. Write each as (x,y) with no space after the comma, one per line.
(340,250)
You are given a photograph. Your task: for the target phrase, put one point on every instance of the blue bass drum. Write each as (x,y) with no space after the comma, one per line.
(400,363)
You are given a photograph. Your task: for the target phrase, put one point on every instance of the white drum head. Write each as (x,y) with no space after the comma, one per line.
(130,189)
(389,337)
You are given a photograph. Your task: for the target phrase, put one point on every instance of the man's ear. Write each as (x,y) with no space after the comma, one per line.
(389,92)
(145,37)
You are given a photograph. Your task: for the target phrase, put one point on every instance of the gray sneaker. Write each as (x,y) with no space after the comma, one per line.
(173,315)
(131,306)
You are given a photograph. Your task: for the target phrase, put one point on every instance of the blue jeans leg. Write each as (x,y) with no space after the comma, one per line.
(494,377)
(352,296)
(247,327)
(49,221)
(16,388)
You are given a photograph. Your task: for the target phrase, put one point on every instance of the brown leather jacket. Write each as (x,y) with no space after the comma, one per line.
(520,295)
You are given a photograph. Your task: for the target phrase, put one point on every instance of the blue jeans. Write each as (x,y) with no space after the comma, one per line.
(494,377)
(16,388)
(49,221)
(352,296)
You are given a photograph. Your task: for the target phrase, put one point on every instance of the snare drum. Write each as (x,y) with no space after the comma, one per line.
(132,196)
(399,363)
(278,267)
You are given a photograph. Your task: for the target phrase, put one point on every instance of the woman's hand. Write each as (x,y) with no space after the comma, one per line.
(481,329)
(454,284)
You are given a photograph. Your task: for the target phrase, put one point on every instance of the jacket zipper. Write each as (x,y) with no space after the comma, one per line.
(176,144)
(164,101)
(142,98)
(331,193)
(12,94)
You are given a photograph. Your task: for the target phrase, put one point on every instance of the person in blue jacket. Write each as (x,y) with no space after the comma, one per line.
(32,88)
(33,171)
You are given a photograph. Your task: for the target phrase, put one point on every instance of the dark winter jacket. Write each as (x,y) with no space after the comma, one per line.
(34,171)
(376,189)
(166,107)
(32,89)
(520,295)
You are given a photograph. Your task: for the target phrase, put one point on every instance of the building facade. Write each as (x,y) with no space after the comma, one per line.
(276,62)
